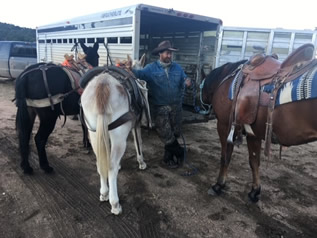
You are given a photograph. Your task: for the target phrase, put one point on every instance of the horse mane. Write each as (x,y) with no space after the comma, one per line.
(217,75)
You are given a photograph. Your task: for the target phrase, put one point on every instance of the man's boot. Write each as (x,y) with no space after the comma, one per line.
(168,159)
(178,151)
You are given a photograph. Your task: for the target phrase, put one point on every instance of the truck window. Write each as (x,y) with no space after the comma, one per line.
(21,50)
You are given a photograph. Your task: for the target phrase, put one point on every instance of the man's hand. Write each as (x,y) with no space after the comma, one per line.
(188,82)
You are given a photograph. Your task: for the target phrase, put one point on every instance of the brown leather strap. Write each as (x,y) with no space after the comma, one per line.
(269,127)
(43,68)
(234,101)
(121,120)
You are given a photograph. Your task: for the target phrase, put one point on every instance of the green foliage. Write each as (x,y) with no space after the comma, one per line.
(9,32)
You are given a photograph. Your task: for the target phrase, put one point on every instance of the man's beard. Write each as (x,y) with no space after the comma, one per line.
(166,60)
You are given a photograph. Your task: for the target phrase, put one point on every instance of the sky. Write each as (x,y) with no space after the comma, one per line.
(287,14)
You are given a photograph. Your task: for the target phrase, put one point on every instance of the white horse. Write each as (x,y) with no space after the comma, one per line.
(105,100)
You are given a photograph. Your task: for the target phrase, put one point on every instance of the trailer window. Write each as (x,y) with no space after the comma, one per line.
(64,40)
(70,41)
(112,40)
(59,41)
(48,41)
(41,41)
(91,40)
(54,40)
(126,40)
(101,40)
(82,40)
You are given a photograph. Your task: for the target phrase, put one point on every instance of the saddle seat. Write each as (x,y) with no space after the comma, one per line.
(261,67)
(297,63)
(300,55)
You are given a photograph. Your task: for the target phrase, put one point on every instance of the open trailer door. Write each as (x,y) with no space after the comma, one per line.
(195,36)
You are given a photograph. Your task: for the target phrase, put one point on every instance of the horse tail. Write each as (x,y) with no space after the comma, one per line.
(23,121)
(102,134)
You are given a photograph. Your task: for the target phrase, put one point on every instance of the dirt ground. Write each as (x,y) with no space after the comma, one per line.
(156,202)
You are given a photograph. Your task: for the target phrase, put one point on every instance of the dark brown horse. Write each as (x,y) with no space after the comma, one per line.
(293,124)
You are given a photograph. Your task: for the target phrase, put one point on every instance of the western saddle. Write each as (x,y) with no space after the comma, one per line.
(263,70)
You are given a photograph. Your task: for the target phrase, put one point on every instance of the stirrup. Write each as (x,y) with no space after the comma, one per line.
(248,130)
(230,136)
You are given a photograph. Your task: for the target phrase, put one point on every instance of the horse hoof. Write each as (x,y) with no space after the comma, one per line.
(28,170)
(87,145)
(47,169)
(216,189)
(142,166)
(116,209)
(254,195)
(104,197)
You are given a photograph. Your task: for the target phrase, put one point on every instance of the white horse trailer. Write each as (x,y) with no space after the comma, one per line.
(237,43)
(133,31)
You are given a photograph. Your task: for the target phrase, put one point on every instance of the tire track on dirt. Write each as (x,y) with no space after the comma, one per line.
(146,227)
(50,184)
(62,228)
(102,212)
(84,207)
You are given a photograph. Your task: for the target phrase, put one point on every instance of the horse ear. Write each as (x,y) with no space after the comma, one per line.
(96,46)
(142,60)
(83,46)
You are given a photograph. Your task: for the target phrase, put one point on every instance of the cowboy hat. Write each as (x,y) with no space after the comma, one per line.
(164,45)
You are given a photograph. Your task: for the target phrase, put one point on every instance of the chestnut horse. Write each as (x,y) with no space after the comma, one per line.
(51,88)
(294,123)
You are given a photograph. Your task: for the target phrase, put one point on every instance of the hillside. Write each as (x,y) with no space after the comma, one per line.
(9,32)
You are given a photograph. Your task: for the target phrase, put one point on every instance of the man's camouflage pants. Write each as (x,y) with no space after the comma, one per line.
(168,120)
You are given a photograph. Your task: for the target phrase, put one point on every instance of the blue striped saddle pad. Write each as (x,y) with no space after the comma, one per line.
(302,88)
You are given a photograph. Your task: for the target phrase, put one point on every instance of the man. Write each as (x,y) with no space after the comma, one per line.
(165,80)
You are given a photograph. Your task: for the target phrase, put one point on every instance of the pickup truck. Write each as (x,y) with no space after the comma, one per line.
(15,56)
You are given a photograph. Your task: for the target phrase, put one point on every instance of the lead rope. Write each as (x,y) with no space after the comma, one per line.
(205,111)
(192,170)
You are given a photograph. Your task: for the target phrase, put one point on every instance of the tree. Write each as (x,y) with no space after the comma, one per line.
(9,32)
